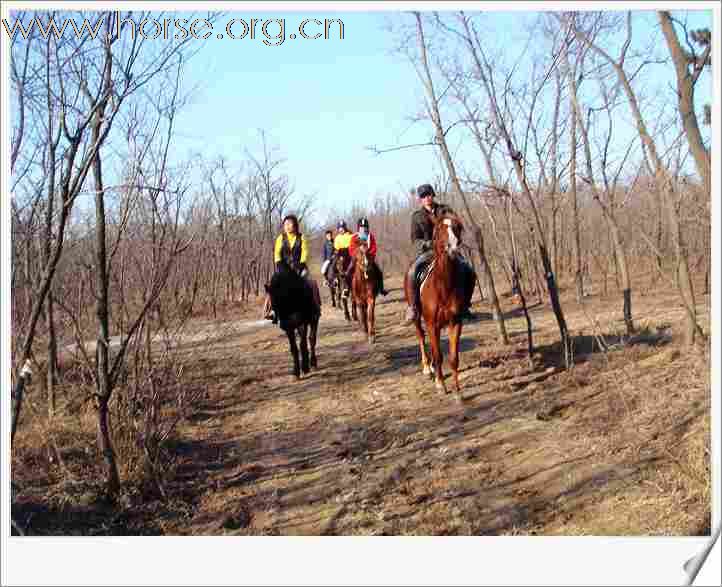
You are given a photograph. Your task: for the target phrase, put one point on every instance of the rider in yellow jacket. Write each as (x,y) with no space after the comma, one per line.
(343,236)
(291,247)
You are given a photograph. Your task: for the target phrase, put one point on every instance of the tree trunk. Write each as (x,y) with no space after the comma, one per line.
(621,259)
(686,81)
(52,349)
(578,280)
(491,290)
(682,275)
(102,351)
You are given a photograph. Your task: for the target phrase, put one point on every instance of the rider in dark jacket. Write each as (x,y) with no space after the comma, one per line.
(327,257)
(422,234)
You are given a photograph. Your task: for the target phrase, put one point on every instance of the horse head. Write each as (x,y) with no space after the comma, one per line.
(448,230)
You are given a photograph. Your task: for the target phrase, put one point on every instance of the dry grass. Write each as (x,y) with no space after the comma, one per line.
(619,445)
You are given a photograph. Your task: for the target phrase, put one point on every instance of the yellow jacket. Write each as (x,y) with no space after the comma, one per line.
(277,250)
(342,241)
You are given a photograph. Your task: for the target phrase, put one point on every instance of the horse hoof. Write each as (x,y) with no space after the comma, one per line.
(427,371)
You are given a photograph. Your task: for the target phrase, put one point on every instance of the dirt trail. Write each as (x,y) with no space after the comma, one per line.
(366,445)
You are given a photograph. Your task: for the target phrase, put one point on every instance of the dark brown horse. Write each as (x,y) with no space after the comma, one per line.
(340,266)
(365,287)
(295,302)
(443,295)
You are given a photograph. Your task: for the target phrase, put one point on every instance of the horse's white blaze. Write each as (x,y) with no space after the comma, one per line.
(453,241)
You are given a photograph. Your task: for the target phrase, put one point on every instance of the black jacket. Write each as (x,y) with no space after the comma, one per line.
(422,229)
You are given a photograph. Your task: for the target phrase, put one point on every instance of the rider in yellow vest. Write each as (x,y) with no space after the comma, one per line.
(290,249)
(341,243)
(343,236)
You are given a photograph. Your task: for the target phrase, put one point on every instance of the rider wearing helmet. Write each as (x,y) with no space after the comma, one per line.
(343,237)
(340,246)
(363,235)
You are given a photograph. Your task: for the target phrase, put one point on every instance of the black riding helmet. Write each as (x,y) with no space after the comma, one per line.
(341,224)
(425,190)
(363,222)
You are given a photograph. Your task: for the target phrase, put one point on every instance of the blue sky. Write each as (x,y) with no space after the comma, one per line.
(322,102)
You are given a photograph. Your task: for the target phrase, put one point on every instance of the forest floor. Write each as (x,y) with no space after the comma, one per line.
(365,445)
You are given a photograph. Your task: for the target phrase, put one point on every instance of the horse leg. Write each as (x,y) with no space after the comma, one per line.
(313,329)
(363,320)
(354,310)
(454,339)
(291,332)
(371,319)
(345,310)
(303,331)
(422,346)
(435,335)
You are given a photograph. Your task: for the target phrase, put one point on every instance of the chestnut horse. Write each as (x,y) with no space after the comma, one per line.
(443,296)
(365,288)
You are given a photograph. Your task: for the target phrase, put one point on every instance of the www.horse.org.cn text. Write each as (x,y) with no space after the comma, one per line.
(270,31)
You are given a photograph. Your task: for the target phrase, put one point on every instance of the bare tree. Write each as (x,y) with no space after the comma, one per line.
(662,177)
(606,198)
(485,74)
(432,106)
(88,79)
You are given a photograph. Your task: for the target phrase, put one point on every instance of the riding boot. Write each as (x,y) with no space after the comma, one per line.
(382,289)
(470,280)
(412,311)
(348,278)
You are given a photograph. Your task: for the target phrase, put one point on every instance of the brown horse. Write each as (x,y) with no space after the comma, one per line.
(340,266)
(443,294)
(365,287)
